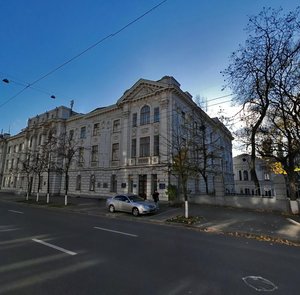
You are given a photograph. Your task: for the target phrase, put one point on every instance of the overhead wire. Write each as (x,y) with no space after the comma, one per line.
(83,52)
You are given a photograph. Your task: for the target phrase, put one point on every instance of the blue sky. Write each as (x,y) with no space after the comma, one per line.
(188,39)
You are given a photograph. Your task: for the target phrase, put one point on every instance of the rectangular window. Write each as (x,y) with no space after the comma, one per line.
(145,146)
(81,155)
(113,183)
(71,134)
(145,115)
(195,128)
(133,148)
(156,115)
(94,157)
(183,116)
(116,126)
(115,152)
(134,120)
(83,132)
(96,129)
(240,175)
(267,176)
(156,145)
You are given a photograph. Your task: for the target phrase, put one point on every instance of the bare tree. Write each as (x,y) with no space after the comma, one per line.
(27,169)
(40,165)
(259,69)
(67,149)
(193,150)
(182,164)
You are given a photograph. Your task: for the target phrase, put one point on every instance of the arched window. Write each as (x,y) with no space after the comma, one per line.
(246,176)
(145,115)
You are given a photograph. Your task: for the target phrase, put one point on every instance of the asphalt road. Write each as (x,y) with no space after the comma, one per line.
(47,251)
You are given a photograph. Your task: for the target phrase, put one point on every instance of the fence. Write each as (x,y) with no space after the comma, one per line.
(248,202)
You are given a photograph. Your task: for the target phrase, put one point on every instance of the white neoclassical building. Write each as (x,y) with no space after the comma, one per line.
(126,147)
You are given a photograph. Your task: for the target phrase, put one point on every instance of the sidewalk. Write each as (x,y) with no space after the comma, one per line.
(214,218)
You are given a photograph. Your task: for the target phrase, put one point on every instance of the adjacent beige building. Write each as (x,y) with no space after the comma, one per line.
(123,148)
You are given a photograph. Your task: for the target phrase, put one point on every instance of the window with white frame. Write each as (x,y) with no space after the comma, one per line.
(134,119)
(94,157)
(133,148)
(145,146)
(80,155)
(96,129)
(83,132)
(156,145)
(156,115)
(71,134)
(116,126)
(113,183)
(145,115)
(115,152)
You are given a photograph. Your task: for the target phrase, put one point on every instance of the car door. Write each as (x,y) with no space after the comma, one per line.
(126,205)
(118,201)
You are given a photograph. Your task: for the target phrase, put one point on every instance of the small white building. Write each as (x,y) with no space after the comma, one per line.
(271,184)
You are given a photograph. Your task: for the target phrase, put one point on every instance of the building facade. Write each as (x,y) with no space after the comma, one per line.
(127,147)
(271,184)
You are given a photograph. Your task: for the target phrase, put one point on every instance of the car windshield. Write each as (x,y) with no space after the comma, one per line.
(135,199)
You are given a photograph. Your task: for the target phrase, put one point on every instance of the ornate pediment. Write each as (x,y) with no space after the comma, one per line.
(143,92)
(140,89)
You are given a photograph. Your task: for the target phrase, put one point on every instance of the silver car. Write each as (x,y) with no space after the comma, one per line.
(130,203)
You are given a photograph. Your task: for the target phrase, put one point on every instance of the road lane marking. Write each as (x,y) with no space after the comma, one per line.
(15,211)
(116,232)
(293,221)
(54,247)
(2,230)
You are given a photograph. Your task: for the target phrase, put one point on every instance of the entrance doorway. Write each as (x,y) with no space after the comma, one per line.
(143,186)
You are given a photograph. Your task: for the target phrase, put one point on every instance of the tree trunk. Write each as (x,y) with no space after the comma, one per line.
(186,209)
(186,203)
(66,187)
(252,168)
(292,183)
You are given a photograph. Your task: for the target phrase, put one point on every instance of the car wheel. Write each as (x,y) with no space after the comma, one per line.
(111,208)
(135,212)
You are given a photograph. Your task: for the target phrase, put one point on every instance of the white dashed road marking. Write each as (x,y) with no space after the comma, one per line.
(54,247)
(116,232)
(14,211)
(293,221)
